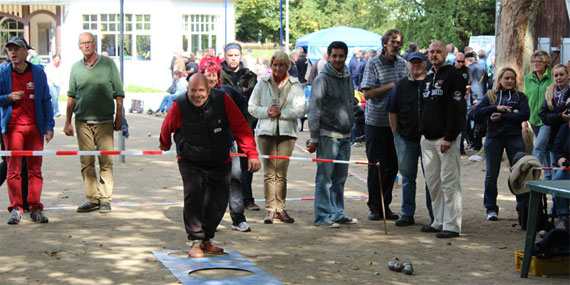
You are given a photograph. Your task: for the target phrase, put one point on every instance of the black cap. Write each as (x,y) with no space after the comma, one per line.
(19,41)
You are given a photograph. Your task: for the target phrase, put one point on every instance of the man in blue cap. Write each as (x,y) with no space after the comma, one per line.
(404,106)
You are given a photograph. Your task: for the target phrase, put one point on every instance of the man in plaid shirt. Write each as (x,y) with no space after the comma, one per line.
(380,75)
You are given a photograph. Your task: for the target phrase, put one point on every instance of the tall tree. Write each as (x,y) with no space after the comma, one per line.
(515,35)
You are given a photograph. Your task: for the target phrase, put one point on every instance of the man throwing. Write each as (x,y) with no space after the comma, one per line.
(94,84)
(201,121)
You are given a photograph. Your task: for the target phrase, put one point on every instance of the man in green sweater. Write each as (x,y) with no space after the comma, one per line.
(93,85)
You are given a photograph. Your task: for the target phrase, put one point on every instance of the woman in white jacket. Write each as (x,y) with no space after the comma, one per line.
(277,102)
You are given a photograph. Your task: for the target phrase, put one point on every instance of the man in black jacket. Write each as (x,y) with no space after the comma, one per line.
(405,110)
(443,118)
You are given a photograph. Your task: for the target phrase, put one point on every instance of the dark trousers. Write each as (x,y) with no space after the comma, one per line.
(380,148)
(206,192)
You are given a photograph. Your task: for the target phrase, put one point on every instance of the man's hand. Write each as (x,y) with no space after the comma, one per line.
(118,121)
(312,147)
(563,162)
(15,96)
(49,136)
(164,148)
(68,129)
(445,145)
(253,165)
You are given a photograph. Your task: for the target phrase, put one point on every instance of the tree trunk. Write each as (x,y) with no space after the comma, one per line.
(515,35)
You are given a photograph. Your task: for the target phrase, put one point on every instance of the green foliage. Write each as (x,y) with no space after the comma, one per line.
(421,21)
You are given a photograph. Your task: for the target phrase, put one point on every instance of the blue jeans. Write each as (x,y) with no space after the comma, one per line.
(54,92)
(167,101)
(493,154)
(408,153)
(329,182)
(542,135)
(561,203)
(236,195)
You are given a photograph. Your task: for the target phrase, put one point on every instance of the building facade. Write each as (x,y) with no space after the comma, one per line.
(154,30)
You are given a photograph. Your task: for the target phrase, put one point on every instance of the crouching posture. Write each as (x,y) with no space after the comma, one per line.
(201,121)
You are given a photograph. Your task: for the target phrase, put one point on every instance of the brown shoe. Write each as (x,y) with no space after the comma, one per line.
(284,217)
(196,250)
(252,207)
(208,247)
(269,217)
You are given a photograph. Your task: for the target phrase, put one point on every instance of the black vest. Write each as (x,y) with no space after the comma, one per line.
(204,137)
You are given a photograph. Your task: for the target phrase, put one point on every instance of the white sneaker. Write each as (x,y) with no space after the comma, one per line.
(15,217)
(492,216)
(330,224)
(242,227)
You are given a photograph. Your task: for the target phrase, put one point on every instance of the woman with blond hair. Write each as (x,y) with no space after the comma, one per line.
(554,113)
(504,108)
(535,85)
(277,102)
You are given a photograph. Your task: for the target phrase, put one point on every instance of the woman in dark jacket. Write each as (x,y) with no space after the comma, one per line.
(557,101)
(554,113)
(506,109)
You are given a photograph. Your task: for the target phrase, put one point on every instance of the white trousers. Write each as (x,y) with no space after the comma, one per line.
(442,173)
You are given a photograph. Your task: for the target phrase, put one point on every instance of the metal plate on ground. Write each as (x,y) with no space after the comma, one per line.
(182,267)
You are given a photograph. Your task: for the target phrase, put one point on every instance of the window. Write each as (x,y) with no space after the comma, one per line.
(8,29)
(106,27)
(198,32)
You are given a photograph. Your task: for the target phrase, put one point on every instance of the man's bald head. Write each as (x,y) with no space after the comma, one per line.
(198,90)
(437,54)
(459,60)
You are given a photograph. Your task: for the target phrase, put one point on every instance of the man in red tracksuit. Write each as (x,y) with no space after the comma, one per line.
(201,121)
(26,120)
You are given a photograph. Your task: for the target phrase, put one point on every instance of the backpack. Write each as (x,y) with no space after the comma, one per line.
(542,222)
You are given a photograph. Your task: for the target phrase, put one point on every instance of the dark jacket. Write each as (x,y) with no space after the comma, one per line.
(405,101)
(204,138)
(302,63)
(510,123)
(443,104)
(240,79)
(553,118)
(561,144)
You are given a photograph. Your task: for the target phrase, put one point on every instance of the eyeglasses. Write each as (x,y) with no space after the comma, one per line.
(461,61)
(537,61)
(396,42)
(85,43)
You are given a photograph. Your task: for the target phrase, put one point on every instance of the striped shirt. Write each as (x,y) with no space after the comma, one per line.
(377,73)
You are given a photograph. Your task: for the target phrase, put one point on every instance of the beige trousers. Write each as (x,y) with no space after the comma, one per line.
(275,170)
(92,137)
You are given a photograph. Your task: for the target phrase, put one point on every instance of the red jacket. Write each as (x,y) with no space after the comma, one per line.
(238,125)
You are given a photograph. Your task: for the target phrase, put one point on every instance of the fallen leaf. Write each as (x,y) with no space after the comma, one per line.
(69,236)
(355,268)
(337,262)
(64,197)
(100,245)
(370,263)
(502,247)
(311,277)
(448,243)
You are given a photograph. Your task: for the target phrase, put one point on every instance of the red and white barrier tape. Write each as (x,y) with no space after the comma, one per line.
(158,152)
(553,168)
